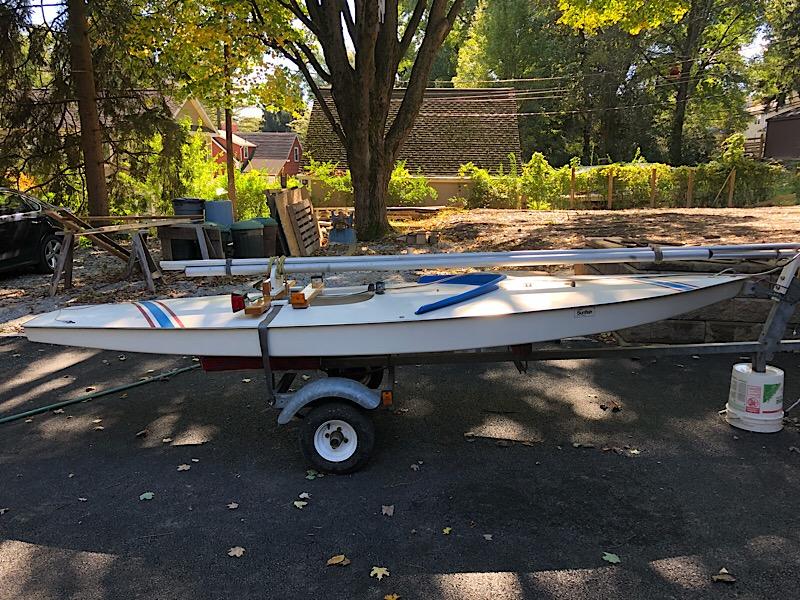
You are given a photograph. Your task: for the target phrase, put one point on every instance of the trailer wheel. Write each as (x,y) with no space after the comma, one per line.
(337,437)
(369,376)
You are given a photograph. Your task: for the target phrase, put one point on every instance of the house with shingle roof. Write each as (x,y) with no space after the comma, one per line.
(455,126)
(274,152)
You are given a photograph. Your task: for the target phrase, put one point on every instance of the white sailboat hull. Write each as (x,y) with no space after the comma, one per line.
(521,310)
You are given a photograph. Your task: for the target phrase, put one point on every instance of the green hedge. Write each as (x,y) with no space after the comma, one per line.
(538,185)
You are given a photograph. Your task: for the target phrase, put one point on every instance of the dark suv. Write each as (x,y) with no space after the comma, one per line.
(27,235)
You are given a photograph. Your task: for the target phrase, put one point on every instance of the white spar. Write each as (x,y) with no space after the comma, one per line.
(523,258)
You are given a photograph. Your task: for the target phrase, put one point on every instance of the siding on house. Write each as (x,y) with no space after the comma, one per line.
(783,136)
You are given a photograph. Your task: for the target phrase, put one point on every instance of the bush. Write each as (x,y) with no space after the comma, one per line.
(406,189)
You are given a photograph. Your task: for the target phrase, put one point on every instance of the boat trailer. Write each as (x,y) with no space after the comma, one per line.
(337,436)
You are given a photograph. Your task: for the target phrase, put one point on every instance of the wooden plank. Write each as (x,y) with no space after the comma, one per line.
(731,187)
(571,187)
(64,257)
(184,218)
(130,227)
(305,227)
(303,298)
(286,221)
(75,224)
(653,189)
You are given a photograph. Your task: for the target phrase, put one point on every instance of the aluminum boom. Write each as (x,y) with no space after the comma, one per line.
(522,258)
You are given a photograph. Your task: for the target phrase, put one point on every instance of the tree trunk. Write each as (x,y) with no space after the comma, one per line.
(696,21)
(229,164)
(678,118)
(370,171)
(82,73)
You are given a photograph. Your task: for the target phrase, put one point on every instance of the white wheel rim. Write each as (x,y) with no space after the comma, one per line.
(335,440)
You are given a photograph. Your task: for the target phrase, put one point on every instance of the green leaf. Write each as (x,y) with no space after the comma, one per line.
(147,496)
(612,558)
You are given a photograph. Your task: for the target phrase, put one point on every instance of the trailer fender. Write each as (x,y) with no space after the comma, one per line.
(329,387)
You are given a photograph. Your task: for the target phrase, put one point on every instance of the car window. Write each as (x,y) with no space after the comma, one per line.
(11,204)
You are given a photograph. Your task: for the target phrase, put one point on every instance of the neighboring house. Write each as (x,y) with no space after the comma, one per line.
(760,113)
(455,126)
(242,149)
(783,136)
(193,110)
(273,152)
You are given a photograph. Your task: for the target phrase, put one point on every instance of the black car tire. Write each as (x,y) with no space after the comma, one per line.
(49,250)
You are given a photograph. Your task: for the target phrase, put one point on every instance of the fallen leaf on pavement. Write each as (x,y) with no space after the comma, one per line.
(724,576)
(233,505)
(29,420)
(447,530)
(147,496)
(195,460)
(339,559)
(99,428)
(246,380)
(184,467)
(299,504)
(305,377)
(391,597)
(4,511)
(305,496)
(58,411)
(71,475)
(236,551)
(142,433)
(634,451)
(379,572)
(612,558)
(387,510)
(166,440)
(415,467)
(487,536)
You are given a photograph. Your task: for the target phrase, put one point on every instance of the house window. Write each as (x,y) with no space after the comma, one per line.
(296,154)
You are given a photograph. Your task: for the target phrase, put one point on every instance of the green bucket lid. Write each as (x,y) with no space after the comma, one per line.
(246,225)
(266,221)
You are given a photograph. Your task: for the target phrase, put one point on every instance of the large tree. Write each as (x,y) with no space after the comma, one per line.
(74,116)
(357,54)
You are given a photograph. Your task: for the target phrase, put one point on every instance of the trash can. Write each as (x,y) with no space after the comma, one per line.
(248,239)
(270,235)
(188,206)
(220,212)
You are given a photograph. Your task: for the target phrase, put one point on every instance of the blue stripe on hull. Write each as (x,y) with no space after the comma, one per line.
(160,316)
(674,285)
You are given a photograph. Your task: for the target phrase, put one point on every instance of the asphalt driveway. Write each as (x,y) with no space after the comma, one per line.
(663,484)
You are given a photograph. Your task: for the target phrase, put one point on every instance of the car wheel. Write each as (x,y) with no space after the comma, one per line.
(48,253)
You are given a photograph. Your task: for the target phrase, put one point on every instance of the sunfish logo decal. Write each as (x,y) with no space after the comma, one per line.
(582,313)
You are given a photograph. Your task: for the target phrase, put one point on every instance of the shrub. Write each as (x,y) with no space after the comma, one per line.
(406,189)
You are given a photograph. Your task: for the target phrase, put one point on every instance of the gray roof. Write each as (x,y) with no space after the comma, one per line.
(270,145)
(454,126)
(786,116)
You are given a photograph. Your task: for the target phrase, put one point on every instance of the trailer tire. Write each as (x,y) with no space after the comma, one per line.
(337,437)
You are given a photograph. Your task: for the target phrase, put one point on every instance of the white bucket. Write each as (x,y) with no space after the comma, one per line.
(755,402)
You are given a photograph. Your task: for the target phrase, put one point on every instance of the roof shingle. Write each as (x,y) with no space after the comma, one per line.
(270,145)
(454,126)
